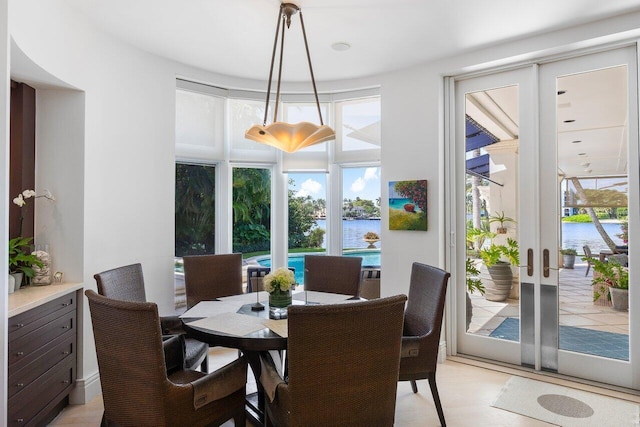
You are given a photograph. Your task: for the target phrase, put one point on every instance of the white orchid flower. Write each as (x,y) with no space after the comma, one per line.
(28,193)
(19,200)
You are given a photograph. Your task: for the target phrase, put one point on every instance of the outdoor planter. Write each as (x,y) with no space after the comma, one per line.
(499,287)
(619,298)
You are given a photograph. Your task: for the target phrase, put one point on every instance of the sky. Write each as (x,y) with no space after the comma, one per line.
(357,182)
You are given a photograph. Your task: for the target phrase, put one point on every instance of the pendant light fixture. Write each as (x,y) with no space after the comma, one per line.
(286,136)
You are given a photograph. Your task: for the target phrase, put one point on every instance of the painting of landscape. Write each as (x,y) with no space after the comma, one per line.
(408,205)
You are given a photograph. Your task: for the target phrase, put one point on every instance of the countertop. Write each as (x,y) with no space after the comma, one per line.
(30,297)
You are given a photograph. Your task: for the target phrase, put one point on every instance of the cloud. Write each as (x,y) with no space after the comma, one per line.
(358,185)
(370,173)
(309,188)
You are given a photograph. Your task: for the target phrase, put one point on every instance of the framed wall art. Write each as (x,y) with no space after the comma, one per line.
(408,205)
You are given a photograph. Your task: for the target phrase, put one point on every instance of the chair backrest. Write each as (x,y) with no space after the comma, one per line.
(130,359)
(425,307)
(255,276)
(587,251)
(336,274)
(349,351)
(124,283)
(370,282)
(622,259)
(207,277)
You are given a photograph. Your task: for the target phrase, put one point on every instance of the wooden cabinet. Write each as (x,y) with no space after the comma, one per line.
(42,360)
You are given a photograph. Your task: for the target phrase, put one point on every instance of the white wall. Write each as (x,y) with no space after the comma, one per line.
(128,159)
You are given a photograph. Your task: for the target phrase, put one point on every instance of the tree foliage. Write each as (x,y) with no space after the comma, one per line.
(414,190)
(194,209)
(251,203)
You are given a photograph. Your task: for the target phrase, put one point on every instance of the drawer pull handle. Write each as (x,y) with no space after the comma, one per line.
(20,420)
(65,352)
(20,353)
(65,327)
(20,385)
(66,304)
(20,325)
(65,382)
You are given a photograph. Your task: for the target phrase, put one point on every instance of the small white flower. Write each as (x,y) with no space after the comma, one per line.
(19,200)
(28,193)
(47,194)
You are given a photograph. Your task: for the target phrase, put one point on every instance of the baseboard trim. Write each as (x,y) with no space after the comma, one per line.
(85,390)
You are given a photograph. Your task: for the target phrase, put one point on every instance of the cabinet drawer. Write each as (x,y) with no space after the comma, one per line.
(28,321)
(26,348)
(53,353)
(23,406)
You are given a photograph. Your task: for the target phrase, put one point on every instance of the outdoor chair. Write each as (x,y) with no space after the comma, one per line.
(127,284)
(137,389)
(207,277)
(422,325)
(588,257)
(335,274)
(370,282)
(342,365)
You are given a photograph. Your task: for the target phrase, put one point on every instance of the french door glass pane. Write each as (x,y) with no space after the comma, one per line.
(251,210)
(491,202)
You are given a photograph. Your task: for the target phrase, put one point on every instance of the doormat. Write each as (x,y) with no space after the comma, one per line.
(565,406)
(581,340)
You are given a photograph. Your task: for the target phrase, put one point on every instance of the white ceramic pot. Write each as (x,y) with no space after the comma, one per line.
(11,284)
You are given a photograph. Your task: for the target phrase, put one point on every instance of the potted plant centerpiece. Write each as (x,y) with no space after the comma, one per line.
(499,258)
(611,281)
(21,261)
(278,284)
(568,257)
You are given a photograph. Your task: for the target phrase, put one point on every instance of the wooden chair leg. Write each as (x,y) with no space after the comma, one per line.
(240,418)
(204,366)
(414,386)
(436,398)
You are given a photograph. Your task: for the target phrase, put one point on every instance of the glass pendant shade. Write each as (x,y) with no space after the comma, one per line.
(290,137)
(286,136)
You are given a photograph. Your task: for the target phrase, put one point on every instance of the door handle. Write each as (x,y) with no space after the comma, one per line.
(530,262)
(545,263)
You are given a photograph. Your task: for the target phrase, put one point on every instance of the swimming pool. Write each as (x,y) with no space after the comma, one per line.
(369,258)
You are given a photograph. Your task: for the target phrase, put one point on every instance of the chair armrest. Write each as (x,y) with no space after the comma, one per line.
(171,325)
(410,346)
(220,383)
(269,376)
(173,348)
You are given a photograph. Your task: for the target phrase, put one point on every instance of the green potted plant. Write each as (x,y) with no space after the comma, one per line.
(499,258)
(501,220)
(21,261)
(611,281)
(474,284)
(568,257)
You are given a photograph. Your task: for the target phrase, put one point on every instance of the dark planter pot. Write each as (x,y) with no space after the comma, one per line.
(469,310)
(568,261)
(502,278)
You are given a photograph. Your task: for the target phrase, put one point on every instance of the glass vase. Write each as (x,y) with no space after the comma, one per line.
(278,303)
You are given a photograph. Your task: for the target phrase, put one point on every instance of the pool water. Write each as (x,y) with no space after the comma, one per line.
(369,258)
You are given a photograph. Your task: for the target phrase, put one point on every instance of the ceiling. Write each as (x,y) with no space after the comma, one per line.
(236,37)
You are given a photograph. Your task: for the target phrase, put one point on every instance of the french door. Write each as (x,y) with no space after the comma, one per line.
(545,160)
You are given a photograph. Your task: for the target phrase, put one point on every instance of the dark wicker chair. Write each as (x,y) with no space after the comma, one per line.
(370,282)
(137,389)
(342,365)
(127,284)
(207,277)
(335,274)
(422,325)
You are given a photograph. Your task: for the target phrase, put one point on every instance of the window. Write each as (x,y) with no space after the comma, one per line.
(307,211)
(251,206)
(360,208)
(195,209)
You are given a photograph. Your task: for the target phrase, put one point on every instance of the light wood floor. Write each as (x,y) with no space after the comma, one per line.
(467,389)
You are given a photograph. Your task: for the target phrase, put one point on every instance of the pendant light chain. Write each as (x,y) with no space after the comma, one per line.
(273,57)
